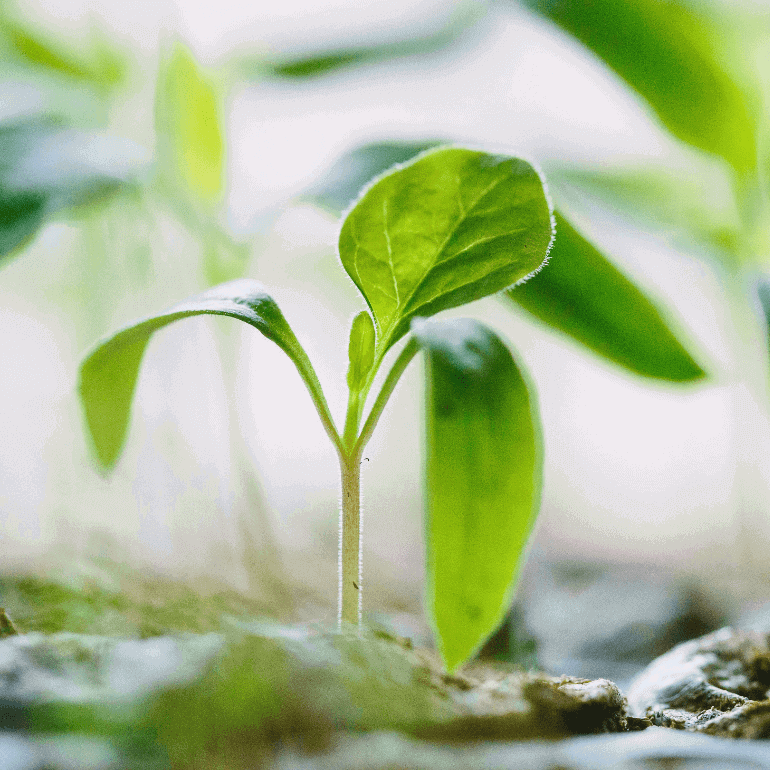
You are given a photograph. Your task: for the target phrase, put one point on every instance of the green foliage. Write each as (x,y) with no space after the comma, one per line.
(484,467)
(669,54)
(352,171)
(325,62)
(109,372)
(189,125)
(100,65)
(584,296)
(46,168)
(451,227)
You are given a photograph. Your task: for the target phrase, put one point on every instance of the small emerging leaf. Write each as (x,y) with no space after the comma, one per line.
(451,227)
(360,350)
(584,295)
(188,121)
(109,373)
(484,475)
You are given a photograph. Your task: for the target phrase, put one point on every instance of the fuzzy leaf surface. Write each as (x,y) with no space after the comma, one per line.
(484,476)
(453,226)
(582,294)
(109,373)
(667,52)
(189,122)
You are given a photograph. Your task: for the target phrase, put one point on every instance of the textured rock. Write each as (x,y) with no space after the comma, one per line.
(717,684)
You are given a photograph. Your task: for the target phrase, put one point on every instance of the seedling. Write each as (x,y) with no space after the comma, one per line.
(451,227)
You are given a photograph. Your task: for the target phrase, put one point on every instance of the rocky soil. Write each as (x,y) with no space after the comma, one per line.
(176,685)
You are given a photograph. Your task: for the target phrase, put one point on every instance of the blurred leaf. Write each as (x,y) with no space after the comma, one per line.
(451,227)
(20,217)
(484,475)
(669,54)
(45,167)
(345,179)
(100,64)
(316,64)
(763,293)
(581,293)
(189,126)
(698,207)
(109,372)
(360,350)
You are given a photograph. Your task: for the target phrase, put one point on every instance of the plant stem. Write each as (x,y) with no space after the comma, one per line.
(404,357)
(350,452)
(350,541)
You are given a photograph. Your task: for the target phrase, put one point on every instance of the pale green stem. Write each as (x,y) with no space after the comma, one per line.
(350,562)
(350,542)
(400,364)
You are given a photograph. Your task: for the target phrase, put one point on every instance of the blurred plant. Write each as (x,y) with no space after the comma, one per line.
(702,69)
(451,227)
(54,160)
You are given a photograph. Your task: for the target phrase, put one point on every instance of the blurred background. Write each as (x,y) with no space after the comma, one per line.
(227,477)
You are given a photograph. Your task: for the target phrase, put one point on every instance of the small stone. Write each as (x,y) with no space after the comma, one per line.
(717,684)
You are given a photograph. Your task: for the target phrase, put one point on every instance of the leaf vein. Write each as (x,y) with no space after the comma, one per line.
(390,253)
(450,234)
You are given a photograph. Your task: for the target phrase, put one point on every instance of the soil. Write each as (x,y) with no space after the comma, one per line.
(233,693)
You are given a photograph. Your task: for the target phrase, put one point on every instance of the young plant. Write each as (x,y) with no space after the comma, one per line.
(453,226)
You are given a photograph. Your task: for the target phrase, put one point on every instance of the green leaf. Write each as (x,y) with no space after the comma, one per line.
(46,167)
(582,294)
(109,372)
(451,227)
(319,63)
(189,125)
(484,476)
(360,350)
(100,64)
(20,217)
(670,55)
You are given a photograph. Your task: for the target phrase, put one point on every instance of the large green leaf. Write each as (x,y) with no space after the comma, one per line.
(582,294)
(189,124)
(484,475)
(669,54)
(46,167)
(451,227)
(109,372)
